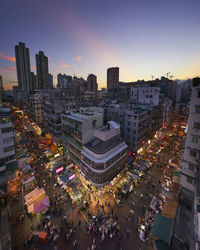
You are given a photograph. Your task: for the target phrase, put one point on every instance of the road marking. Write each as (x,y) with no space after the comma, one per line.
(84,216)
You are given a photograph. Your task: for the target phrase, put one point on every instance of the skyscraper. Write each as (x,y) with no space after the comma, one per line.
(42,70)
(23,67)
(92,83)
(50,81)
(34,85)
(1,88)
(112,78)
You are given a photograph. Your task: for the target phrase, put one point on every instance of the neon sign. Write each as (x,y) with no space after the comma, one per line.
(58,170)
(71,177)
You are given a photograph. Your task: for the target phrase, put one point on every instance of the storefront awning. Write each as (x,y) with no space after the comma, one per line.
(169,209)
(162,228)
(29,180)
(41,205)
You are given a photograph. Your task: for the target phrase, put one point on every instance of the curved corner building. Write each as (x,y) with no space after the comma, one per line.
(100,152)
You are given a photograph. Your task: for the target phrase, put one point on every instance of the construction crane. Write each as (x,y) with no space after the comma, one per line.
(152,77)
(171,77)
(167,74)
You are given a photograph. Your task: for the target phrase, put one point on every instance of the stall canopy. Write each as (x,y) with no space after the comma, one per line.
(169,209)
(162,228)
(29,180)
(35,195)
(23,162)
(133,176)
(41,205)
(160,245)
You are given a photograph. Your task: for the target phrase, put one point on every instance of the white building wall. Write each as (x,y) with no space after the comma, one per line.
(191,157)
(145,94)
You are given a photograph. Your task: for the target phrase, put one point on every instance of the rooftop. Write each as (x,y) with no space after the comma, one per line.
(99,147)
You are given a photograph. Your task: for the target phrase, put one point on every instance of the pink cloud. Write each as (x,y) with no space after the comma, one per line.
(64,65)
(12,59)
(78,58)
(9,69)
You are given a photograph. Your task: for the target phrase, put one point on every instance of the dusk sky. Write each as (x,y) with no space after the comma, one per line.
(142,38)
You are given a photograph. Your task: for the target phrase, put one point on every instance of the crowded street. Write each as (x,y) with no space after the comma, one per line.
(77,215)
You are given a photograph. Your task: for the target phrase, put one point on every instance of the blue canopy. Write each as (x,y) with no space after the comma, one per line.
(162,227)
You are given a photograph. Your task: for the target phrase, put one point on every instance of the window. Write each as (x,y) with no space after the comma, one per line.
(197,107)
(129,123)
(191,167)
(198,94)
(193,153)
(190,180)
(7,140)
(10,148)
(197,125)
(128,129)
(195,139)
(5,120)
(7,130)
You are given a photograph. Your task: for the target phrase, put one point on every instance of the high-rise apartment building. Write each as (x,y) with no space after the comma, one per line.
(187,223)
(92,83)
(33,82)
(42,70)
(112,78)
(1,88)
(1,82)
(23,68)
(8,167)
(50,81)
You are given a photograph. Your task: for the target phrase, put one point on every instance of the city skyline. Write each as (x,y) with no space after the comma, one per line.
(140,38)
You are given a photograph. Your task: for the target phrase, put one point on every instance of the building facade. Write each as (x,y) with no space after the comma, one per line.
(8,163)
(42,70)
(105,156)
(96,149)
(34,84)
(187,223)
(112,78)
(134,123)
(50,81)
(92,83)
(63,80)
(23,68)
(36,108)
(149,95)
(57,101)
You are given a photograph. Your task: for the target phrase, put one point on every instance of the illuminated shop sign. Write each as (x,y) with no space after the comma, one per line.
(58,170)
(71,177)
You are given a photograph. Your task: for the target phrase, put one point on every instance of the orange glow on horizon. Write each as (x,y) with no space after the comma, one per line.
(12,59)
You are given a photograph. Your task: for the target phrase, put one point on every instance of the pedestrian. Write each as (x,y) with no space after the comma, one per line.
(74,243)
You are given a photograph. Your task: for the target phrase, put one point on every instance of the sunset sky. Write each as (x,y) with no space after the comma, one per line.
(141,37)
